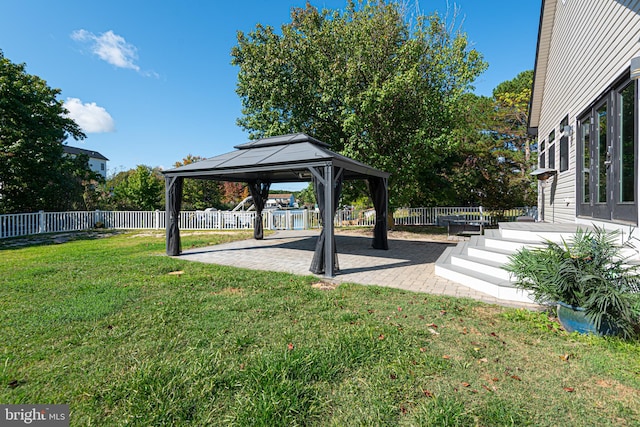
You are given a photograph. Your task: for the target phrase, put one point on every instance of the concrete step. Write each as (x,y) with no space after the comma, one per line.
(501,289)
(631,255)
(510,245)
(490,254)
(445,256)
(477,263)
(480,265)
(529,236)
(540,231)
(492,232)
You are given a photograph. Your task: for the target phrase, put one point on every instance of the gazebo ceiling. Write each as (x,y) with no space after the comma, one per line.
(285,158)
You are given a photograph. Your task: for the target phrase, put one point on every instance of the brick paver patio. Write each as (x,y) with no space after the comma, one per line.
(408,264)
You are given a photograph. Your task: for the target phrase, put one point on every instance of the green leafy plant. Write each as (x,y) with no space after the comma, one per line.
(590,271)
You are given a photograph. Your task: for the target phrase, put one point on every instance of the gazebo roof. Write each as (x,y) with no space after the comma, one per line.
(284,158)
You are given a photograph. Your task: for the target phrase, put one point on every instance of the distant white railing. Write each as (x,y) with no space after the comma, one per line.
(14,225)
(439,215)
(129,219)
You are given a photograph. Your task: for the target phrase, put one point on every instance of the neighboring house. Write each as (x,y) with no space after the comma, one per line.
(584,110)
(281,201)
(97,162)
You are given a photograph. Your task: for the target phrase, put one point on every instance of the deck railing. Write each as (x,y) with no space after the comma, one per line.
(15,225)
(438,215)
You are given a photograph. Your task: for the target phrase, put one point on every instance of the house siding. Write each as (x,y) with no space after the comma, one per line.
(591,46)
(98,166)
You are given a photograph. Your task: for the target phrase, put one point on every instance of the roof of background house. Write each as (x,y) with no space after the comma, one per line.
(280,196)
(90,153)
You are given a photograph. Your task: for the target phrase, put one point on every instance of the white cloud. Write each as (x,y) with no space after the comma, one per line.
(90,117)
(110,47)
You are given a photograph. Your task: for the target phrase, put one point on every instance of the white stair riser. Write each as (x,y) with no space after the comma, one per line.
(479,267)
(496,291)
(535,237)
(630,253)
(497,243)
(480,252)
(508,245)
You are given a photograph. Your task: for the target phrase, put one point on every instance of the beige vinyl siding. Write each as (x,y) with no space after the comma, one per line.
(592,43)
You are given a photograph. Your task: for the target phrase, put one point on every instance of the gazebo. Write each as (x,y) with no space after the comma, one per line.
(285,158)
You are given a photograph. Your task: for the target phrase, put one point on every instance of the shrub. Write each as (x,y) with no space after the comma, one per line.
(590,271)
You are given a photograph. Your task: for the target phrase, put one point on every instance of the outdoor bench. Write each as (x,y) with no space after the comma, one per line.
(457,224)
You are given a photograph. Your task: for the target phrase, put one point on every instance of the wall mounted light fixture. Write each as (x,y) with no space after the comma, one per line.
(567,131)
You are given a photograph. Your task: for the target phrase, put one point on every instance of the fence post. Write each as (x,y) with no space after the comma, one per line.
(41,228)
(219,219)
(157,219)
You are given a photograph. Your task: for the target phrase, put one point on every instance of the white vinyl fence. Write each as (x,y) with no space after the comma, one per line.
(14,225)
(439,215)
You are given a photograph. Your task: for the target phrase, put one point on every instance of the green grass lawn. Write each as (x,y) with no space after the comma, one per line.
(104,326)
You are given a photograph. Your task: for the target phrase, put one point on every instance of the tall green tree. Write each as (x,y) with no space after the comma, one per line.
(496,154)
(378,84)
(512,99)
(33,126)
(141,188)
(199,194)
(307,196)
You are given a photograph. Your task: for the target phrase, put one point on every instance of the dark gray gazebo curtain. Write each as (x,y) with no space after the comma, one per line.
(379,195)
(173,203)
(317,264)
(260,193)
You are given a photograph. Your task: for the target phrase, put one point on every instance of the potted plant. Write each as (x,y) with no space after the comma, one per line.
(587,276)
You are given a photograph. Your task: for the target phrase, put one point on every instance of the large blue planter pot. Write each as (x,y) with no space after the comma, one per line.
(574,319)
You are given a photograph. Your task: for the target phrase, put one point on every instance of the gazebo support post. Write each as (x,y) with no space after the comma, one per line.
(328,221)
(378,188)
(173,200)
(327,184)
(260,193)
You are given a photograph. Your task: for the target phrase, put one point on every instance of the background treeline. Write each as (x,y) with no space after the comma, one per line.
(387,87)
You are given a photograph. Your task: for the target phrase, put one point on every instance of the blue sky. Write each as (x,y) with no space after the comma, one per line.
(151,81)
